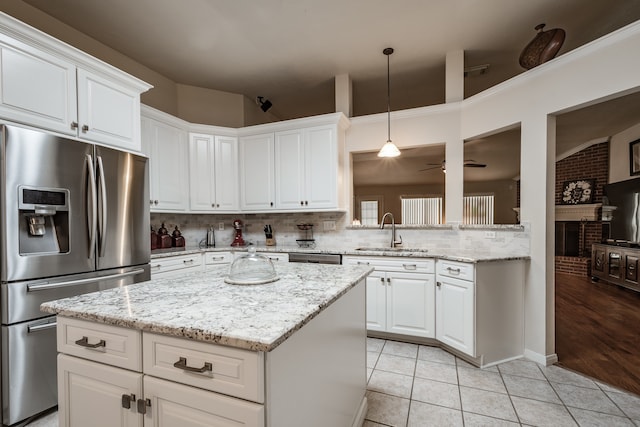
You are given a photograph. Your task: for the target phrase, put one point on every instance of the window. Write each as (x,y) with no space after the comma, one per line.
(477,209)
(369,212)
(421,210)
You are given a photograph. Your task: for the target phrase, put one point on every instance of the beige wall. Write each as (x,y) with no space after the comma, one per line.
(198,105)
(505,198)
(208,106)
(619,154)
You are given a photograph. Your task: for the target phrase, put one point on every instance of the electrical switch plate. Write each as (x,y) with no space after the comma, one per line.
(220,226)
(489,234)
(329,226)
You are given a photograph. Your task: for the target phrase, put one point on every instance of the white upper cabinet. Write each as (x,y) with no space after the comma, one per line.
(296,168)
(108,112)
(256,162)
(166,146)
(213,173)
(306,164)
(51,85)
(37,88)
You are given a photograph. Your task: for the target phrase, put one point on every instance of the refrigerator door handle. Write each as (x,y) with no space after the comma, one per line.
(102,205)
(42,327)
(91,205)
(47,286)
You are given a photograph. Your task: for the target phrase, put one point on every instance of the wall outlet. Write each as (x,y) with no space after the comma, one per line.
(329,226)
(489,234)
(221,226)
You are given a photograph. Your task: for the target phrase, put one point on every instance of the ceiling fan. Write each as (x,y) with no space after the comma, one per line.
(467,164)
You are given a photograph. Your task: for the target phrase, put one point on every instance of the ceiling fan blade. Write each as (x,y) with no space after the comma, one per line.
(475,165)
(431,168)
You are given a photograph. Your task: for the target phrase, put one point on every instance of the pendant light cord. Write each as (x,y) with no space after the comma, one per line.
(388,51)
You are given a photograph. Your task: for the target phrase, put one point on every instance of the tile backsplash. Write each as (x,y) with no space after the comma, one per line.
(494,240)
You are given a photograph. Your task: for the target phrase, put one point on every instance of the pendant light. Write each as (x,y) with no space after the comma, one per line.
(389,149)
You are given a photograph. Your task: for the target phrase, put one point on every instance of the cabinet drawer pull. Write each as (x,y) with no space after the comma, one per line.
(157,266)
(84,342)
(182,364)
(188,261)
(363,263)
(453,270)
(217,258)
(410,266)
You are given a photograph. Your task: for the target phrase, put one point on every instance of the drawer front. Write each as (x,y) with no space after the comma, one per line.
(182,262)
(227,370)
(213,258)
(276,257)
(458,270)
(416,265)
(106,344)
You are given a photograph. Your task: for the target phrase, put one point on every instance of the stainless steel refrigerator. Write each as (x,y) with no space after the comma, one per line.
(74,218)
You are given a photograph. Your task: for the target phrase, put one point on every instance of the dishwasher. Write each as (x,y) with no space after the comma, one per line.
(315,258)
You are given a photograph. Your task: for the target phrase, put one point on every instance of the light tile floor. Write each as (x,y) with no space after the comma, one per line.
(415,385)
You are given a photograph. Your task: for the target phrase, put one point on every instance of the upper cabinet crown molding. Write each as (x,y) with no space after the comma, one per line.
(50,85)
(20,31)
(325,119)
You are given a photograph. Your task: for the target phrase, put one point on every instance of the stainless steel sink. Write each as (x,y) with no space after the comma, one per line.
(390,249)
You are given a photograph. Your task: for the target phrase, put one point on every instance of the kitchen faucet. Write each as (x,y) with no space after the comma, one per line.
(394,242)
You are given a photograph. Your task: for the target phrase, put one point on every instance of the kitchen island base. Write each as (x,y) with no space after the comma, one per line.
(316,377)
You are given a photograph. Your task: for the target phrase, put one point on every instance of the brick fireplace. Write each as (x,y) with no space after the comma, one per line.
(579,226)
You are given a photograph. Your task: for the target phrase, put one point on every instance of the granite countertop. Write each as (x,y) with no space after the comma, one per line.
(450,254)
(201,306)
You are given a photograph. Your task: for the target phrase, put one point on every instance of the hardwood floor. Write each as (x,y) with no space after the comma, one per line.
(598,330)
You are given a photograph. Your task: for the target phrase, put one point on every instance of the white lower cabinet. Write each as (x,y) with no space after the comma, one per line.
(172,404)
(82,383)
(480,309)
(92,393)
(174,266)
(400,295)
(455,314)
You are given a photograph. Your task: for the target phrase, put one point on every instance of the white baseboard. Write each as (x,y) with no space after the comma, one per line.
(546,360)
(362,413)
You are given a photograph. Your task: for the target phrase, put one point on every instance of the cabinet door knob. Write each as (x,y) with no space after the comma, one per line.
(85,128)
(271,204)
(155,202)
(301,203)
(127,399)
(438,284)
(142,405)
(74,125)
(306,202)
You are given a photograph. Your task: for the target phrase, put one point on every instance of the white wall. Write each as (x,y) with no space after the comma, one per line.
(619,153)
(601,70)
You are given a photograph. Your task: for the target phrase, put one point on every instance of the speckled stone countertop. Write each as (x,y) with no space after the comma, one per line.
(201,306)
(452,255)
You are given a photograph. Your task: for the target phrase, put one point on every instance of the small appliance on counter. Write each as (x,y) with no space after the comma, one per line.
(211,237)
(268,234)
(307,240)
(238,240)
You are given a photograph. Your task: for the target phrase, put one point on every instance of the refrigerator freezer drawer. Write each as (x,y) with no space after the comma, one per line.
(21,300)
(28,369)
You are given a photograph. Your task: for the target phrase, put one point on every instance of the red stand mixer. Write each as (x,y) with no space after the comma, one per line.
(238,240)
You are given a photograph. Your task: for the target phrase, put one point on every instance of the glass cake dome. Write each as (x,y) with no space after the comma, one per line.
(251,269)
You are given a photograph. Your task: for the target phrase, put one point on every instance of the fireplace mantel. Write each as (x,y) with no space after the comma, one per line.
(586,212)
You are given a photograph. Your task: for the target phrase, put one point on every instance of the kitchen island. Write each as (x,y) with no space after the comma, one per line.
(195,351)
